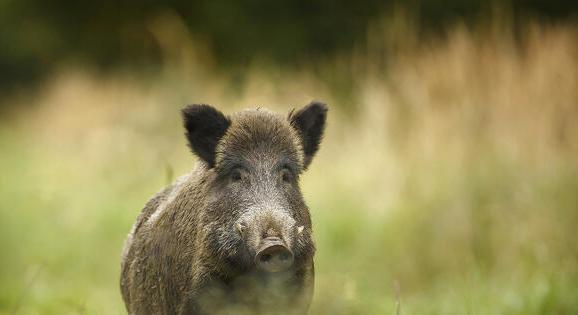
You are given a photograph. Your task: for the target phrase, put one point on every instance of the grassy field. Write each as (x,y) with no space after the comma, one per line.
(447,182)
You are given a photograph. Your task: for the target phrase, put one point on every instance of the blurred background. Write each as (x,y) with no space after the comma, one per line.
(447,182)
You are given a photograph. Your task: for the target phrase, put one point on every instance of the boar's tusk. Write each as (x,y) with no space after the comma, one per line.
(300,229)
(239,227)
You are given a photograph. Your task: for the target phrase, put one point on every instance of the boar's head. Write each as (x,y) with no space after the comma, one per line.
(255,218)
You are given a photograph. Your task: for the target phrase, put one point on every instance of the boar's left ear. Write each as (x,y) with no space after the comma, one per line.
(310,123)
(205,127)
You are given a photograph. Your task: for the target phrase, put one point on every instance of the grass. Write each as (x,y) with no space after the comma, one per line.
(447,182)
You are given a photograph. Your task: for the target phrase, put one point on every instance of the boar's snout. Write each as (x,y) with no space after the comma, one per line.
(273,255)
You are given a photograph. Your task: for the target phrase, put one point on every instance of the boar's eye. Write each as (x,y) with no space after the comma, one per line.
(286,175)
(236,175)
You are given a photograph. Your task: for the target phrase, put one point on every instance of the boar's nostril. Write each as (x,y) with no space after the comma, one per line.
(285,256)
(273,256)
(266,258)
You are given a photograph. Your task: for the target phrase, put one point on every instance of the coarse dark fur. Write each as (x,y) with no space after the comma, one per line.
(192,248)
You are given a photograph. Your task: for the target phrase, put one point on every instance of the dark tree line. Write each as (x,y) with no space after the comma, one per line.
(37,35)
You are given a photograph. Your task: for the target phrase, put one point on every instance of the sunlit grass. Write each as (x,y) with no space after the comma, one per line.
(447,181)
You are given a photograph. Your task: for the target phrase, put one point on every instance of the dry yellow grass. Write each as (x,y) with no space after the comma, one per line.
(448,173)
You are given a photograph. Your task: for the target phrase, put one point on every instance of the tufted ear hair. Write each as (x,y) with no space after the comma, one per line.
(205,126)
(309,121)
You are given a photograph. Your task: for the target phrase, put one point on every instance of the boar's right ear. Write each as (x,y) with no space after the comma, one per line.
(205,127)
(310,123)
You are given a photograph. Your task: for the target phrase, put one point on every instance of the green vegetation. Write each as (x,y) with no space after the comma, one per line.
(447,184)
(37,36)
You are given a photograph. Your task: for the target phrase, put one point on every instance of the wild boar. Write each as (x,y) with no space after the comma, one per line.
(234,235)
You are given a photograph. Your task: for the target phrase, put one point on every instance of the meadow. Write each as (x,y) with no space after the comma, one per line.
(447,182)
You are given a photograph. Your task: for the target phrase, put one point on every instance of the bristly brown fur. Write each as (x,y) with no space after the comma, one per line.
(185,254)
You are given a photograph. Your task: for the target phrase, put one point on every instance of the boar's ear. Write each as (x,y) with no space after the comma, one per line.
(205,126)
(310,123)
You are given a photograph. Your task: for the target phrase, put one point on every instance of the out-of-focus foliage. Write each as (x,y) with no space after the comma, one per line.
(446,183)
(37,35)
